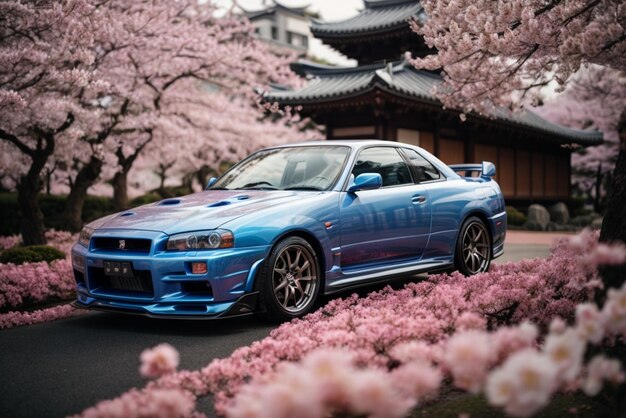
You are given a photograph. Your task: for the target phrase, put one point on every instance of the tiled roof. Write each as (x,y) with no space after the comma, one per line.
(268,11)
(378,16)
(404,80)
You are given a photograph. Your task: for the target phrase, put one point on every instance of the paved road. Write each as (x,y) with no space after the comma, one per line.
(60,368)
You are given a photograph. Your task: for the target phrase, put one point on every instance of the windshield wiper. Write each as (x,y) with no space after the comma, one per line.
(315,188)
(254,185)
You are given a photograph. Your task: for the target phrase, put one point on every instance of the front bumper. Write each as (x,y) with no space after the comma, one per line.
(163,283)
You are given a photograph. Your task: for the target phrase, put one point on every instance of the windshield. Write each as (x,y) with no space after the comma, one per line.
(295,168)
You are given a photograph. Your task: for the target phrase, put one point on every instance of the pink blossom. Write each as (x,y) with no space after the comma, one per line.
(16,319)
(417,380)
(566,351)
(410,351)
(557,325)
(614,310)
(501,53)
(468,355)
(149,403)
(159,360)
(508,340)
(590,323)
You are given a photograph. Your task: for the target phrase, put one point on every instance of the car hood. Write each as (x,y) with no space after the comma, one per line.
(204,210)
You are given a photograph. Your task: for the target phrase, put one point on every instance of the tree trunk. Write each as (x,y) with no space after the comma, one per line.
(31,224)
(120,191)
(598,187)
(614,223)
(86,177)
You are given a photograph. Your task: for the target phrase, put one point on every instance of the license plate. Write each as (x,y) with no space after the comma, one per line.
(118,269)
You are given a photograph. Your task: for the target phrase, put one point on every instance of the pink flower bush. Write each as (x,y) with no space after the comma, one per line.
(9,242)
(326,382)
(159,360)
(32,283)
(151,403)
(15,319)
(35,282)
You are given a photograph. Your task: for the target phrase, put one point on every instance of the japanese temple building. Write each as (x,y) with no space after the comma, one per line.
(387,98)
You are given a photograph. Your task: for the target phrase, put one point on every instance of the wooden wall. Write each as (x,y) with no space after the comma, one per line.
(524,171)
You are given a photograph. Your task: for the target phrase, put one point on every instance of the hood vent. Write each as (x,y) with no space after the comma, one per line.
(242,197)
(127,214)
(169,202)
(218,204)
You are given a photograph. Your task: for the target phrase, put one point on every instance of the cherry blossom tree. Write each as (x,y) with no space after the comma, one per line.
(491,49)
(226,130)
(46,91)
(497,53)
(166,61)
(91,97)
(593,99)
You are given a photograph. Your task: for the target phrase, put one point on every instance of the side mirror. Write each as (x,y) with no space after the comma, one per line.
(366,181)
(210,183)
(488,170)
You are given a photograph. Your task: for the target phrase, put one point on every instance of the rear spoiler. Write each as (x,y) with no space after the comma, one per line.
(486,170)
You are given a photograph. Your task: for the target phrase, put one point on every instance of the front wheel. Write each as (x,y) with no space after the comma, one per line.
(290,280)
(473,247)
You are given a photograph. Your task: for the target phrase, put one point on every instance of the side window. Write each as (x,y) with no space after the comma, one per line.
(424,170)
(385,161)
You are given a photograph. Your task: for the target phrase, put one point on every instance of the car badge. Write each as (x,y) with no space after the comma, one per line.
(122,244)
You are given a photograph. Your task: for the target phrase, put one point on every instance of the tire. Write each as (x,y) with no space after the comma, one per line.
(290,281)
(473,248)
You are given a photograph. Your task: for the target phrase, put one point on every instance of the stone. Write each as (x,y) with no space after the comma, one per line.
(538,214)
(534,226)
(596,223)
(559,213)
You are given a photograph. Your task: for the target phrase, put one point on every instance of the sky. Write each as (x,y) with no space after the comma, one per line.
(329,10)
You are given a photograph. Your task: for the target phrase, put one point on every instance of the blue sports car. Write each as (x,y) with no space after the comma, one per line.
(288,223)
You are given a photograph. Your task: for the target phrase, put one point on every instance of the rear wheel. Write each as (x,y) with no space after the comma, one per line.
(473,247)
(290,280)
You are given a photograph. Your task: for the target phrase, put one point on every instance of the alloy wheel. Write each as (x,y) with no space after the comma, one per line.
(295,278)
(476,251)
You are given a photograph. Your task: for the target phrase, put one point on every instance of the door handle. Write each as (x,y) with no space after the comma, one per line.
(418,199)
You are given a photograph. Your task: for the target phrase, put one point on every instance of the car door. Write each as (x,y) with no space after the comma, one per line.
(386,224)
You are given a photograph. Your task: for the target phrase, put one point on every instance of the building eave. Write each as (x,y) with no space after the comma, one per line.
(399,81)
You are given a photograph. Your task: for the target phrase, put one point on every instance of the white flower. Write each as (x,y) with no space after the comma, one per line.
(523,384)
(599,369)
(590,324)
(566,351)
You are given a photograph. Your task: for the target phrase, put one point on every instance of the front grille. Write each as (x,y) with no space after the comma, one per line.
(137,245)
(140,283)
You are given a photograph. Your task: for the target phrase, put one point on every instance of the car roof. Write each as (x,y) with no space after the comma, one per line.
(352,143)
(356,144)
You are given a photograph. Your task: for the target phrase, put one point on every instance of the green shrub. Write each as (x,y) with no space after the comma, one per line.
(53,209)
(514,216)
(150,197)
(31,254)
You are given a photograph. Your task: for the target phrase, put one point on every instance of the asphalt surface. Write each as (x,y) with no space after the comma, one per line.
(60,368)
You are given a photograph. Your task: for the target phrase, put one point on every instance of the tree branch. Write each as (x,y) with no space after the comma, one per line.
(4,135)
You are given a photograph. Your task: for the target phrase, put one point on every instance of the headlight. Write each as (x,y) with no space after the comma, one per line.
(201,240)
(85,236)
